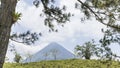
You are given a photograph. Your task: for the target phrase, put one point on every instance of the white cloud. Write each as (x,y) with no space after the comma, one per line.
(73,30)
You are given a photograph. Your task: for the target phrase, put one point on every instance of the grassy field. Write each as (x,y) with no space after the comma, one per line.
(73,63)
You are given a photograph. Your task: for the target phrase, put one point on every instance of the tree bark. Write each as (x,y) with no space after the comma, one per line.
(7,9)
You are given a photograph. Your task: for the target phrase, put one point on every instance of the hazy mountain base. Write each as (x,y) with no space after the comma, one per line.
(73,63)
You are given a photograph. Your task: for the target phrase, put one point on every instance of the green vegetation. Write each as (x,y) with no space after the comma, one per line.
(73,63)
(17,58)
(88,49)
(16,17)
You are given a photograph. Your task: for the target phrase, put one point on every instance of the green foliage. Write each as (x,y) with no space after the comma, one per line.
(73,63)
(88,49)
(17,58)
(53,13)
(105,11)
(110,36)
(27,37)
(16,17)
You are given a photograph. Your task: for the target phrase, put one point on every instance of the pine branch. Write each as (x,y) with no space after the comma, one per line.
(101,21)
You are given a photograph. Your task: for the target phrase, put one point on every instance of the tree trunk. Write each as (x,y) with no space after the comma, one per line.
(87,57)
(7,8)
(87,54)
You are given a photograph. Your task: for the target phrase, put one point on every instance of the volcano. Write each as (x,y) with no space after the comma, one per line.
(53,51)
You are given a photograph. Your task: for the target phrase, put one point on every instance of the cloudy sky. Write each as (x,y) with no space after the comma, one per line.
(72,34)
